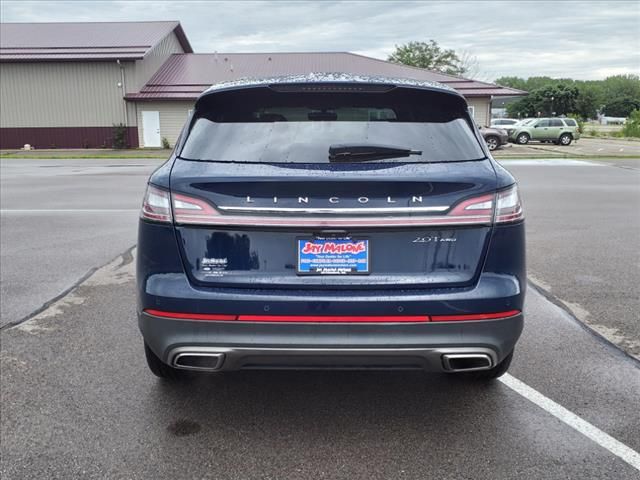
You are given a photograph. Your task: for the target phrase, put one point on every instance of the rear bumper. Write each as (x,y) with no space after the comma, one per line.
(164,286)
(241,345)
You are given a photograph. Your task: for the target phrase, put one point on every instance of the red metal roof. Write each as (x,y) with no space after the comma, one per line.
(37,42)
(185,76)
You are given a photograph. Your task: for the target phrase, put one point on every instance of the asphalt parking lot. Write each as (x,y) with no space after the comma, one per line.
(592,146)
(78,402)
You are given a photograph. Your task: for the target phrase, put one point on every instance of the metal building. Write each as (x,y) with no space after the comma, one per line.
(65,85)
(172,90)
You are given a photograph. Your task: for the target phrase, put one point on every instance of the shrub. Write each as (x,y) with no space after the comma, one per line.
(593,132)
(119,136)
(632,127)
(578,120)
(165,143)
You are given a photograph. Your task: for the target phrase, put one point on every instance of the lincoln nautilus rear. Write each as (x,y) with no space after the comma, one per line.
(334,222)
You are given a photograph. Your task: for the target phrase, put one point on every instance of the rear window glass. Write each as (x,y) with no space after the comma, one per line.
(261,125)
(570,122)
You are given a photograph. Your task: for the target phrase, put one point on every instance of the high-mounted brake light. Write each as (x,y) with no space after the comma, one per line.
(156,205)
(508,206)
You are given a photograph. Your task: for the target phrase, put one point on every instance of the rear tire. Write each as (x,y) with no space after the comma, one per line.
(161,369)
(492,142)
(497,371)
(565,139)
(522,139)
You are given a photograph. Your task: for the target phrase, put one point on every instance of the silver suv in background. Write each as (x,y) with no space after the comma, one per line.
(503,122)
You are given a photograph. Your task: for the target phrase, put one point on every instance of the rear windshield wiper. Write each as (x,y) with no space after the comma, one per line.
(353,152)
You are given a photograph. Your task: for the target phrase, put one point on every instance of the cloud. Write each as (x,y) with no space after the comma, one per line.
(523,38)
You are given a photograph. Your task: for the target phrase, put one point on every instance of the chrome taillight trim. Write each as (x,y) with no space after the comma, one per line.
(334,211)
(231,220)
(477,210)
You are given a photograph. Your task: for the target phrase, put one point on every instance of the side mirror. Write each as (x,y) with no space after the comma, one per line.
(535,126)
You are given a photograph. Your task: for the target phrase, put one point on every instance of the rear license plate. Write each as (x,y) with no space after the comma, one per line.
(333,256)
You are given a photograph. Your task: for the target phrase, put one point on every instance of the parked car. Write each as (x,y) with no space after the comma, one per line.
(495,137)
(561,131)
(329,221)
(503,122)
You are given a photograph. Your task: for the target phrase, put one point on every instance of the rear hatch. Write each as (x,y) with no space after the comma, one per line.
(405,198)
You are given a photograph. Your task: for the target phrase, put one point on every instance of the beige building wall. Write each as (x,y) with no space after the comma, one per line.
(76,94)
(173,115)
(138,73)
(481,110)
(63,94)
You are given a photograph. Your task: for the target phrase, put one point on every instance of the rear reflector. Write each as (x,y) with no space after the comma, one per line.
(191,316)
(332,318)
(474,316)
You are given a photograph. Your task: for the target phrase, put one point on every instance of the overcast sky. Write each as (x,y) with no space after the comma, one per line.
(579,39)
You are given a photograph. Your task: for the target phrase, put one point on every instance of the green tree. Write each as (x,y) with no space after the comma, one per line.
(621,106)
(559,99)
(523,108)
(589,100)
(552,99)
(616,96)
(621,85)
(632,127)
(513,82)
(428,55)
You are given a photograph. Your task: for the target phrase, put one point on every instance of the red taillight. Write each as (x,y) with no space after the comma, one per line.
(508,206)
(192,210)
(500,207)
(156,205)
(477,207)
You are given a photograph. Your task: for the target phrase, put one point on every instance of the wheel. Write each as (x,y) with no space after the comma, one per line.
(497,371)
(523,138)
(492,142)
(565,139)
(161,369)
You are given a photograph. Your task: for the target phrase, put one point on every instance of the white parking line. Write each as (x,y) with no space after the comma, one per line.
(554,162)
(603,439)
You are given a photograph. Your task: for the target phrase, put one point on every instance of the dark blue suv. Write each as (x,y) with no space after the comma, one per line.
(330,221)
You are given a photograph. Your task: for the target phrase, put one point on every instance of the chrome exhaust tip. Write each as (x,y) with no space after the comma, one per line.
(198,361)
(466,362)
